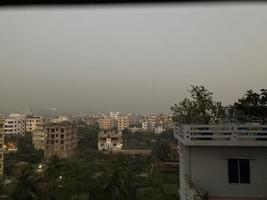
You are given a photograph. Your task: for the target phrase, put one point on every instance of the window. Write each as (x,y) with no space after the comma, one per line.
(238,171)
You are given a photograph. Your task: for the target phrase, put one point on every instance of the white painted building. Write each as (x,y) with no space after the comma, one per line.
(60,118)
(114,115)
(109,140)
(221,162)
(145,126)
(15,124)
(158,130)
(152,121)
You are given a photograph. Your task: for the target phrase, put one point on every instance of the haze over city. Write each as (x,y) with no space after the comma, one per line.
(129,59)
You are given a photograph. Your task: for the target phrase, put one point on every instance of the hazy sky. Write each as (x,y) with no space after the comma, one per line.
(137,59)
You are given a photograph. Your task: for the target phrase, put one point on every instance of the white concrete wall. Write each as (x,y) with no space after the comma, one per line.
(208,168)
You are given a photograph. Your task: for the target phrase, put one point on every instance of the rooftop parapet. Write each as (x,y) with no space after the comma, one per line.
(222,135)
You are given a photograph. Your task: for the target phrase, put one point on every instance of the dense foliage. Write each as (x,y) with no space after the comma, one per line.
(89,175)
(199,109)
(252,107)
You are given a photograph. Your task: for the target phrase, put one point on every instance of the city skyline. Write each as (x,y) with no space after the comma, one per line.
(139,59)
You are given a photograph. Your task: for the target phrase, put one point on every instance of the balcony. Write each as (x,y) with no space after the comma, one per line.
(222,135)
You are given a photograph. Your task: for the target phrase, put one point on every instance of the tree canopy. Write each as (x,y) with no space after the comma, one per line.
(252,107)
(199,109)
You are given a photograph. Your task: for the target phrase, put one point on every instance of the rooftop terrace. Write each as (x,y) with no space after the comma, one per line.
(222,135)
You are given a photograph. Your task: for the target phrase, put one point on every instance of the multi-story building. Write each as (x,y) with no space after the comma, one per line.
(145,126)
(219,162)
(133,119)
(39,135)
(109,140)
(2,134)
(39,139)
(15,124)
(92,121)
(61,139)
(107,123)
(158,130)
(114,115)
(122,122)
(161,119)
(152,120)
(32,123)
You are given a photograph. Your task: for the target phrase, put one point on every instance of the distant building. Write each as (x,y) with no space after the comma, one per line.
(109,140)
(152,121)
(158,130)
(114,115)
(122,123)
(145,126)
(92,121)
(107,123)
(61,118)
(33,123)
(61,139)
(2,134)
(15,124)
(39,136)
(135,129)
(133,119)
(222,162)
(38,139)
(161,119)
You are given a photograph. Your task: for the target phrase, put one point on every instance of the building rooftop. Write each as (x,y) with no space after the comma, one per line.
(222,135)
(63,123)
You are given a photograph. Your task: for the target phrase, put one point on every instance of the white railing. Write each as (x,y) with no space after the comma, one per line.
(222,135)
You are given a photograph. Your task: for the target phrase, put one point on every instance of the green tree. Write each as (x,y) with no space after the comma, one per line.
(27,185)
(116,188)
(54,167)
(199,109)
(252,107)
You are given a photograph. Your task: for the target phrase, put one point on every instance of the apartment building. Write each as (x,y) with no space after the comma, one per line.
(152,121)
(92,121)
(122,123)
(220,162)
(158,130)
(145,126)
(39,136)
(107,123)
(15,124)
(114,115)
(32,123)
(61,139)
(2,133)
(133,119)
(109,140)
